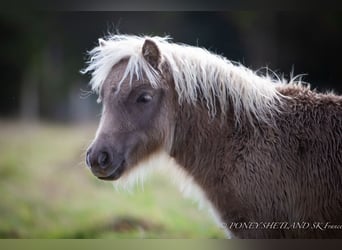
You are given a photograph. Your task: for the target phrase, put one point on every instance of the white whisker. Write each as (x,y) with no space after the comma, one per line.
(85,93)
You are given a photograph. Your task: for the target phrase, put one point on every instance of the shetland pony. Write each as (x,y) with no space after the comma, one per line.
(264,153)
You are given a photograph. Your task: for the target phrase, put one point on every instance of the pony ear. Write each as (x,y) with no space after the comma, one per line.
(151,53)
(102,42)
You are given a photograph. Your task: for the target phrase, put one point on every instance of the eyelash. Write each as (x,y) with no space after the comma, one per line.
(144,98)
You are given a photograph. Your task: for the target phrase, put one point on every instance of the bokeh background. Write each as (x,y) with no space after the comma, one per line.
(48,116)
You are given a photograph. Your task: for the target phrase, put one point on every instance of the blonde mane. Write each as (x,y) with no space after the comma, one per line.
(194,70)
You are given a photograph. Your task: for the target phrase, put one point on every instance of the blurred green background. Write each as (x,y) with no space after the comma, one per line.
(48,117)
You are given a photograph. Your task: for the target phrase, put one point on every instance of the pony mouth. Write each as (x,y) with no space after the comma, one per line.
(115,174)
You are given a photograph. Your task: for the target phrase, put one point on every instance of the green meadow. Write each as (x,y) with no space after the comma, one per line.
(47,192)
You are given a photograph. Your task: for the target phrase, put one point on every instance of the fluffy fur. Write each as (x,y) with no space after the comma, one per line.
(277,167)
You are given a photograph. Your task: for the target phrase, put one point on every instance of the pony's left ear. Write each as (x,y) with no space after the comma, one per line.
(102,42)
(151,53)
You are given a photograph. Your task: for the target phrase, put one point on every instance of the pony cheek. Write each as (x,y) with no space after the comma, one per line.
(142,148)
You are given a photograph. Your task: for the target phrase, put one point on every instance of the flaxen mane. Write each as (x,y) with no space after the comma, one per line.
(194,70)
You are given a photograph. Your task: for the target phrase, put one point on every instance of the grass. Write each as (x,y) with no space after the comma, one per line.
(47,192)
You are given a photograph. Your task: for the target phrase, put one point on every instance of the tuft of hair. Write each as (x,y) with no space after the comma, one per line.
(163,163)
(195,71)
(137,175)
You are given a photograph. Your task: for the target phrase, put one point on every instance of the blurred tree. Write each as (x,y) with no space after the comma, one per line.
(308,42)
(22,61)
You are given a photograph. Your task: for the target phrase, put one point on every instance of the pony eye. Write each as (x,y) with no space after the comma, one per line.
(144,98)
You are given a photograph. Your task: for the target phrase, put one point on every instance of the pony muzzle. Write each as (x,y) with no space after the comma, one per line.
(104,164)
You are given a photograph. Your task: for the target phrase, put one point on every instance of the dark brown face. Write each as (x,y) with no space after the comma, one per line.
(136,123)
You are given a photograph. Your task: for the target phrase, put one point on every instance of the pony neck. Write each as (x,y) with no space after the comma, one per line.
(198,138)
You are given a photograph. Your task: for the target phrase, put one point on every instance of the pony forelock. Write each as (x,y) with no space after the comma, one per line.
(195,71)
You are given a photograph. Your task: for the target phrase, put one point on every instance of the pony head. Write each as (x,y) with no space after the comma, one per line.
(137,117)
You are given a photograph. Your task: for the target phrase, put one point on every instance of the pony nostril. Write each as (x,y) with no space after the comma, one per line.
(103,159)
